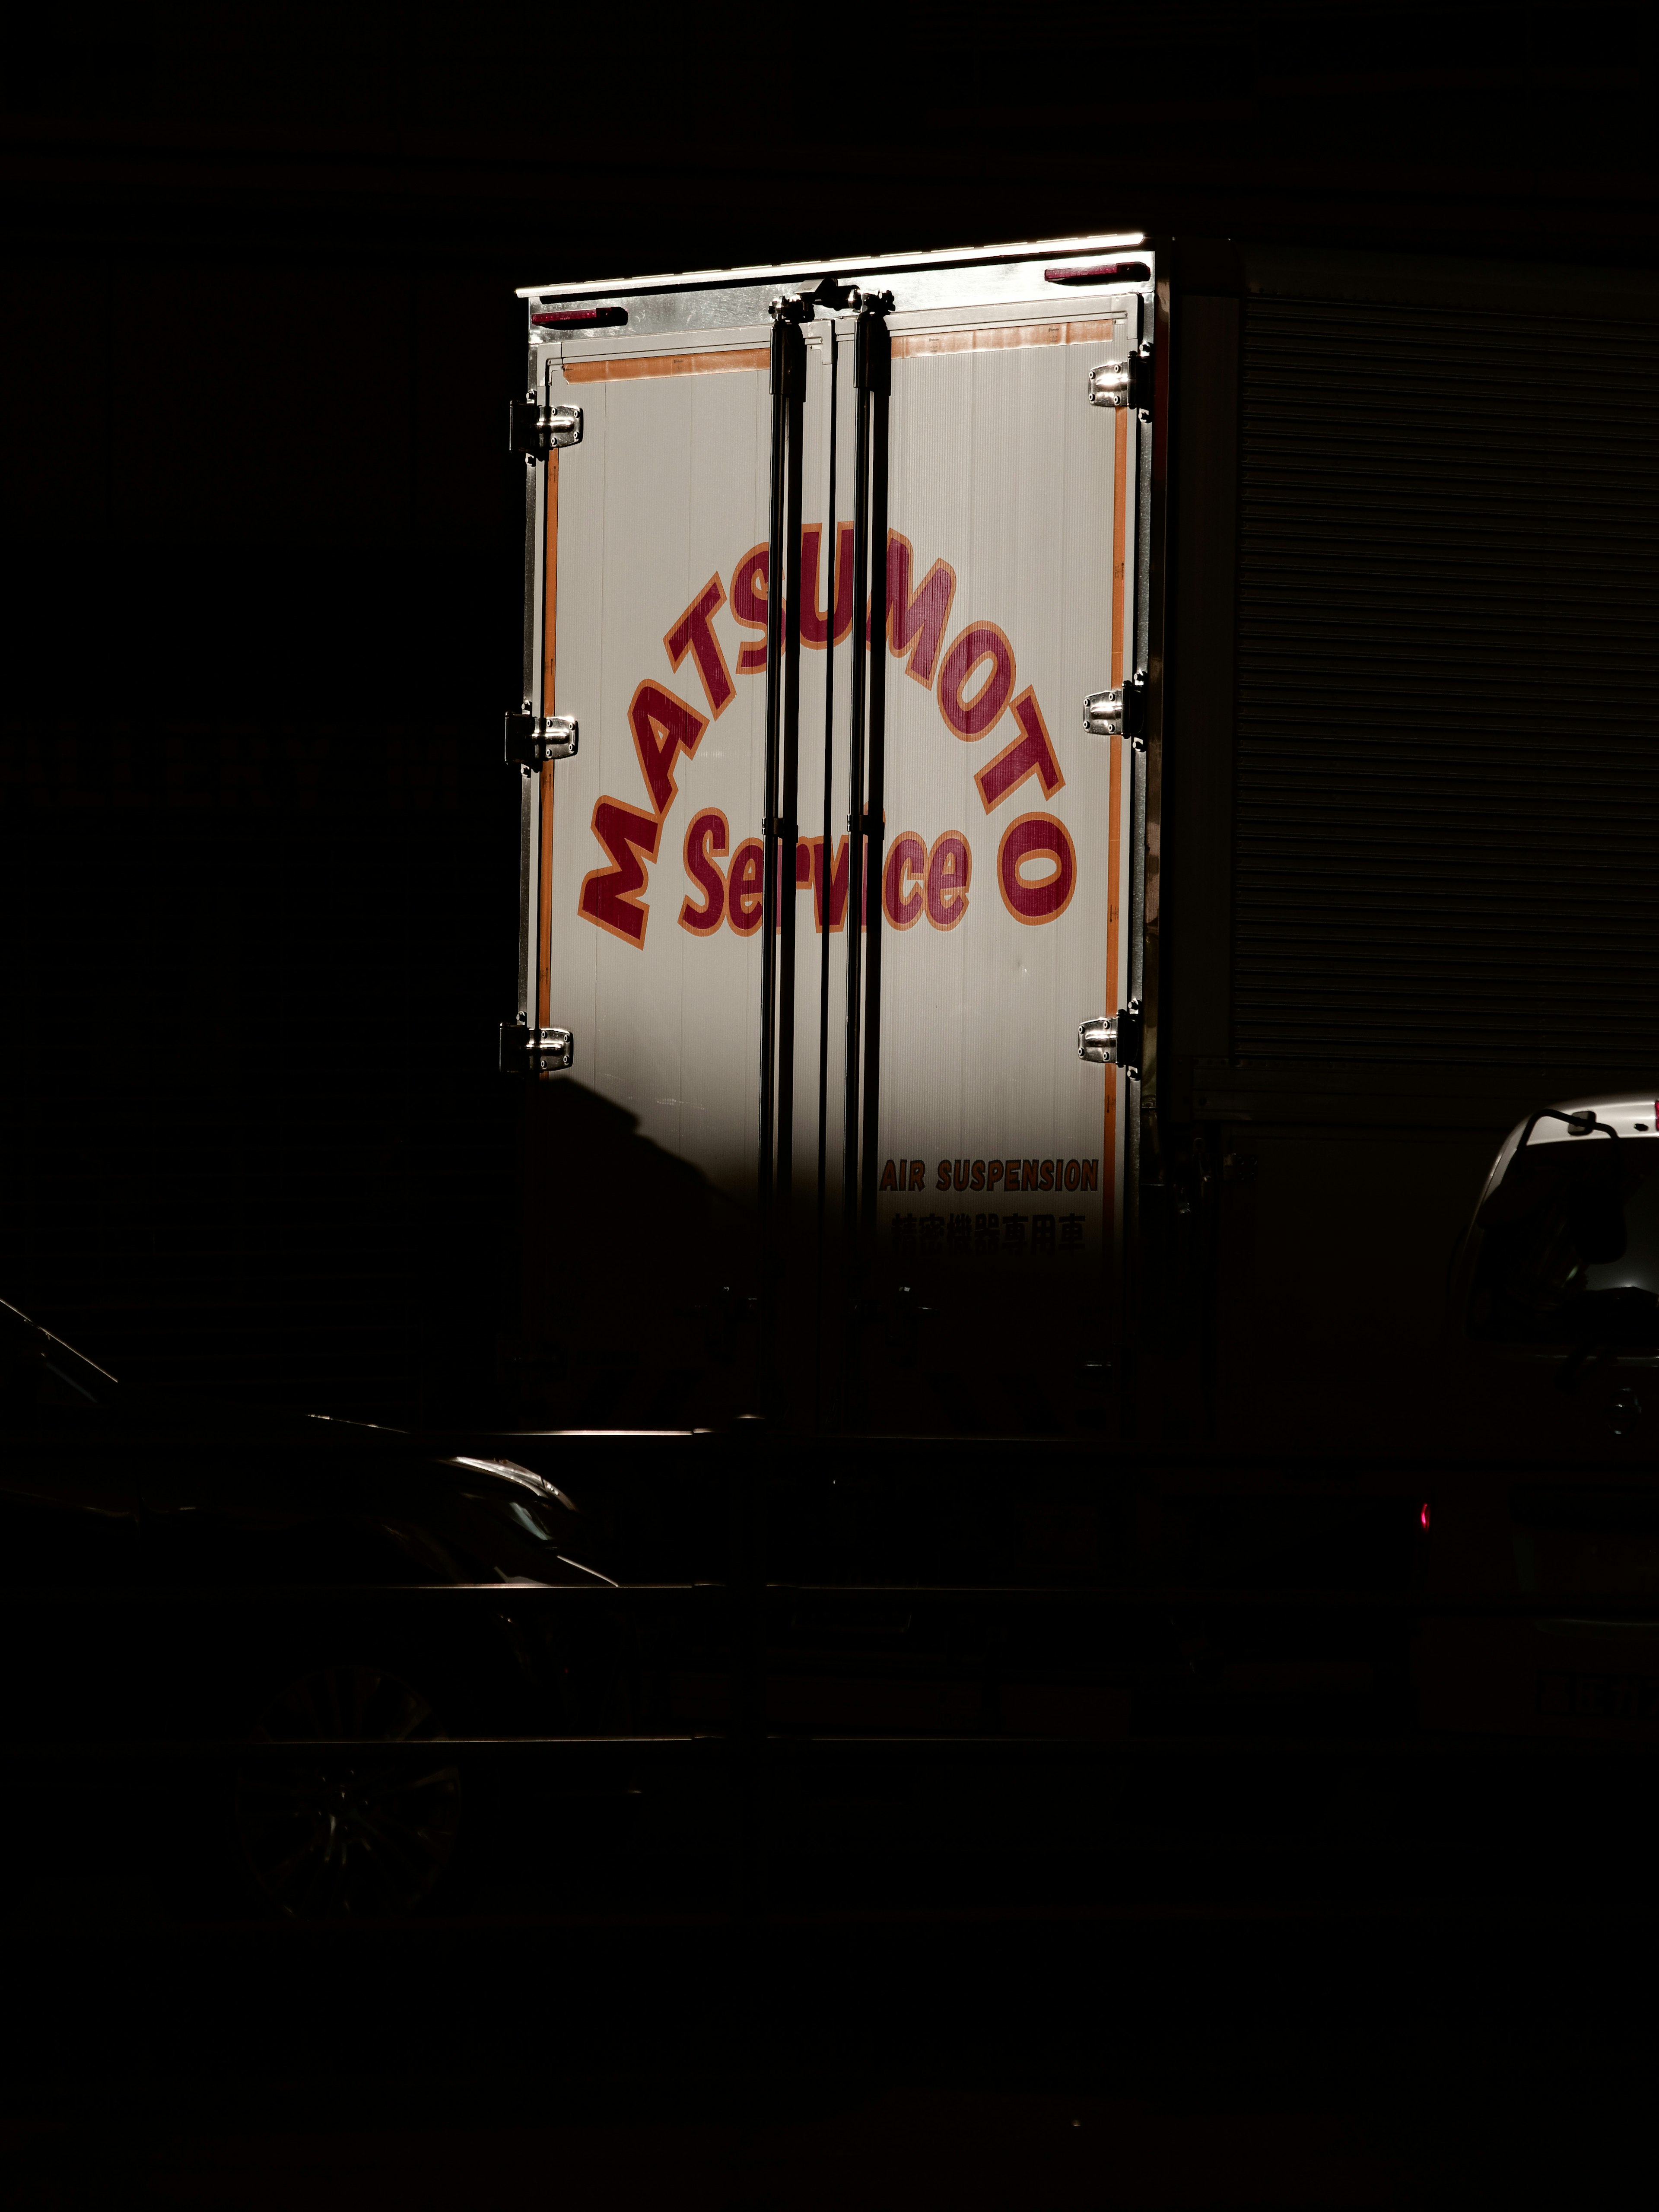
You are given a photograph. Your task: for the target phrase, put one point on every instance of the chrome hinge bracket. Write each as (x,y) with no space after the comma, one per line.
(525,1051)
(1114,1040)
(532,740)
(1121,714)
(536,430)
(1125,383)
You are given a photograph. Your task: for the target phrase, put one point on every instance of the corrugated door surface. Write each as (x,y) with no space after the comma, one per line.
(1447,785)
(1004,829)
(1010,542)
(1002,848)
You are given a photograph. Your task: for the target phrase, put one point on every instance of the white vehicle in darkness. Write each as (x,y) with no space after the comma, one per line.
(1554,1393)
(1557,1282)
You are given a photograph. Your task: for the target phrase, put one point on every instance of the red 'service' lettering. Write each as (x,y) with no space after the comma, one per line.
(803,877)
(708,829)
(950,870)
(904,900)
(839,869)
(745,896)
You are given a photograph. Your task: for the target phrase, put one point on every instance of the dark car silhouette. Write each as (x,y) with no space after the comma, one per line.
(177,1575)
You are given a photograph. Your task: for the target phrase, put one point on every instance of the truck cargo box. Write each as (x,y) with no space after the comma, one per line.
(831,896)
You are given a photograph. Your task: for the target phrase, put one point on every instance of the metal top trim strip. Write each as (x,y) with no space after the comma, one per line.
(963,257)
(619,354)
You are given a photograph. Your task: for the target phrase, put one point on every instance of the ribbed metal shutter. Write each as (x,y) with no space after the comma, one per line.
(1447,799)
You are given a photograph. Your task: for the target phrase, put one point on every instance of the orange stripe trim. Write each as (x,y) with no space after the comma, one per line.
(544,874)
(664,364)
(1095,332)
(1114,819)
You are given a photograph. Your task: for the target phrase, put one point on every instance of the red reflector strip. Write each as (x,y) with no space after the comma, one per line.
(1132,272)
(562,318)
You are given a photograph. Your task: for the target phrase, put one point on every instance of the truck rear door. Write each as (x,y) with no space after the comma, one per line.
(975,1287)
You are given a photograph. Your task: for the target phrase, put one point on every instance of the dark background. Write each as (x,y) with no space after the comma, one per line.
(261,540)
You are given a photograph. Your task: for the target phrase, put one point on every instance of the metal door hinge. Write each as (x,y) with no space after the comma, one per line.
(1125,383)
(1121,714)
(532,740)
(1114,1040)
(532,429)
(525,1051)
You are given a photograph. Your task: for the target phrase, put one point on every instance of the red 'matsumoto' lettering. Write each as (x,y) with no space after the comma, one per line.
(1031,753)
(749,605)
(610,897)
(663,727)
(917,619)
(814,626)
(692,633)
(974,718)
(708,827)
(1036,836)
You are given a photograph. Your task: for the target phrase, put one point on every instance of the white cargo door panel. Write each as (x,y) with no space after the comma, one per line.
(1004,867)
(667,492)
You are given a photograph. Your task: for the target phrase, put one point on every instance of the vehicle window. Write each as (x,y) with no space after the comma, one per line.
(1570,1246)
(526,1519)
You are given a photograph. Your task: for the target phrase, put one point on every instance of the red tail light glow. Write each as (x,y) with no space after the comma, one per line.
(1128,272)
(1424,1516)
(579,318)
